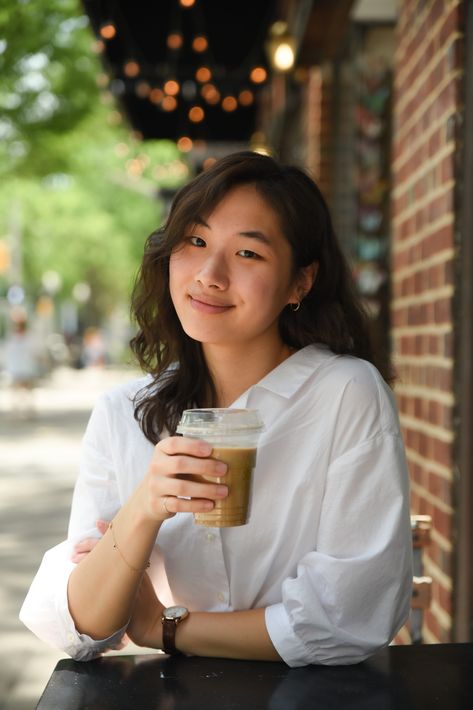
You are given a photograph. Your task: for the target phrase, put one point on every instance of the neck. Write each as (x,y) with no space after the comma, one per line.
(235,369)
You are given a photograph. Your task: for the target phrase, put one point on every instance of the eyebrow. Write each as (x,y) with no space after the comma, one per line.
(256,235)
(251,234)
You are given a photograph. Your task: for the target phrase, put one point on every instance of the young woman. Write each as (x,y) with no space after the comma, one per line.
(243,300)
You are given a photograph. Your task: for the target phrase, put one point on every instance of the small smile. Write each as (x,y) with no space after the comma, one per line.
(205,305)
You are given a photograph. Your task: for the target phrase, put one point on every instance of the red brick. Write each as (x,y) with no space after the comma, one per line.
(439,240)
(443,523)
(451,24)
(440,488)
(443,310)
(445,598)
(432,624)
(447,168)
(442,453)
(448,345)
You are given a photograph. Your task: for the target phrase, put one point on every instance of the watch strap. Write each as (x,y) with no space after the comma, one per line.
(169,636)
(170,619)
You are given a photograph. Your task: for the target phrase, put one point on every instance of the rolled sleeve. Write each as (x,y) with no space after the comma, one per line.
(45,610)
(352,594)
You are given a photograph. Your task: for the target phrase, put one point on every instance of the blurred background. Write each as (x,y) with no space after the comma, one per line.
(107,107)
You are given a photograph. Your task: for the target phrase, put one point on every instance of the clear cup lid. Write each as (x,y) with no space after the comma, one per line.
(220,421)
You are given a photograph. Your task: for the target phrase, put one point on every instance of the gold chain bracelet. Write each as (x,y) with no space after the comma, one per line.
(135,569)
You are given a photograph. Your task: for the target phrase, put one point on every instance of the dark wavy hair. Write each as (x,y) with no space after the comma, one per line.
(330,314)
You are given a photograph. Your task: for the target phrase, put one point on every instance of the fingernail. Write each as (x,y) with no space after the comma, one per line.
(207,505)
(205,449)
(222,491)
(221,468)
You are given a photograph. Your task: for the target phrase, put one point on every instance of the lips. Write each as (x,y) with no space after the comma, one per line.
(203,304)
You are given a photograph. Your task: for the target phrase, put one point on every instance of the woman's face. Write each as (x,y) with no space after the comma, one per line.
(232,274)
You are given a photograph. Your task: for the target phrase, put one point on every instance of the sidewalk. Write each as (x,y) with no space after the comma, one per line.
(38,465)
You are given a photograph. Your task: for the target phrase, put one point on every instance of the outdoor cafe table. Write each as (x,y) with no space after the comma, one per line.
(408,677)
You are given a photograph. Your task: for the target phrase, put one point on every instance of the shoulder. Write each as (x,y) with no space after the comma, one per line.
(128,390)
(118,403)
(338,371)
(354,391)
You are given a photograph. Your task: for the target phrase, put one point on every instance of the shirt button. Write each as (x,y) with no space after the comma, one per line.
(221,597)
(209,537)
(70,637)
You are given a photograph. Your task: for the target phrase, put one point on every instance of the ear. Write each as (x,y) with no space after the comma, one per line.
(305,280)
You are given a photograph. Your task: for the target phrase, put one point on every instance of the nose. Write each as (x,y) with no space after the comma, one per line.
(213,272)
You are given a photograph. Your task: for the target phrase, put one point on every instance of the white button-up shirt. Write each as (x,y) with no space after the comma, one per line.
(327,550)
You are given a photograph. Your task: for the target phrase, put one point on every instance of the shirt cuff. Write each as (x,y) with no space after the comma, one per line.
(85,648)
(82,647)
(284,640)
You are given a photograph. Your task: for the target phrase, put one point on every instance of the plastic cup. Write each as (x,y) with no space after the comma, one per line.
(233,434)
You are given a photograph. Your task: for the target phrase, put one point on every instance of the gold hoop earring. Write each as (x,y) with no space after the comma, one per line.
(295,306)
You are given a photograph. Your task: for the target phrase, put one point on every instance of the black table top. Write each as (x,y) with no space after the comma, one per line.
(409,677)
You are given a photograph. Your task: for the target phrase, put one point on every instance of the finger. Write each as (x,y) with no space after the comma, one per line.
(102,525)
(182,463)
(184,445)
(185,505)
(185,488)
(77,557)
(86,545)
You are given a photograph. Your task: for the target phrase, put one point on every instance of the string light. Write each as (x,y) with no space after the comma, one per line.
(199,43)
(166,96)
(131,68)
(258,75)
(174,40)
(171,87)
(169,103)
(246,97)
(108,30)
(229,104)
(184,144)
(208,162)
(196,114)
(143,89)
(210,94)
(156,96)
(203,74)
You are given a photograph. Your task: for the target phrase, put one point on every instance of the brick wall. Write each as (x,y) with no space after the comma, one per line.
(427,99)
(318,126)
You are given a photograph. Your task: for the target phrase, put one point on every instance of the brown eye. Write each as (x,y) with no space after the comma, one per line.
(248,254)
(197,241)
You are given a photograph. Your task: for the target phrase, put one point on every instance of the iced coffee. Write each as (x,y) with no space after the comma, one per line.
(233,434)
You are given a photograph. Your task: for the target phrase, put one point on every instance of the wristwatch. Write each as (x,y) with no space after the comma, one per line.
(171,617)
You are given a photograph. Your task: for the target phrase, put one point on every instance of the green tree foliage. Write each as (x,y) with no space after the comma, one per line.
(84,188)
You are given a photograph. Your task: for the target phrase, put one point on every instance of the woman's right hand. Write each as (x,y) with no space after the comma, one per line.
(170,484)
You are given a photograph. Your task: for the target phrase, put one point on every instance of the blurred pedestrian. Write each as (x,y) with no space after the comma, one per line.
(22,364)
(94,352)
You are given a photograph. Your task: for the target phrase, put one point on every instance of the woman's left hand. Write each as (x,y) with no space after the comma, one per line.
(82,548)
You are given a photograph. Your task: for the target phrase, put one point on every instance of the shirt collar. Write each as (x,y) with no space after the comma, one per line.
(288,377)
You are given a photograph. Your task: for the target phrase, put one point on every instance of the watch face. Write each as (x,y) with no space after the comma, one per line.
(175,612)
